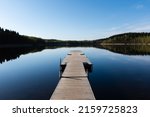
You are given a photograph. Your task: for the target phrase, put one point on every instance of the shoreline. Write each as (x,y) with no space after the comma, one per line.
(124,44)
(72,45)
(19,45)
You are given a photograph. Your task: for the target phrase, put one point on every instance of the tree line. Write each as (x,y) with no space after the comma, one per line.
(126,38)
(8,37)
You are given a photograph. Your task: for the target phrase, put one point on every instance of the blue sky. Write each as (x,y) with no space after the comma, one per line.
(75,19)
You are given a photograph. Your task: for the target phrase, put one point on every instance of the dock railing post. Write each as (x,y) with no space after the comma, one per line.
(60,69)
(87,71)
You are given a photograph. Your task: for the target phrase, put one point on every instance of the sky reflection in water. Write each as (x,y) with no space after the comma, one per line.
(114,76)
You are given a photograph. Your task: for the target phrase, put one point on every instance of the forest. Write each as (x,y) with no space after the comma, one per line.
(9,37)
(126,38)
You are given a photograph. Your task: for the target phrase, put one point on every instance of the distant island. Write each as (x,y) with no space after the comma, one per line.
(13,38)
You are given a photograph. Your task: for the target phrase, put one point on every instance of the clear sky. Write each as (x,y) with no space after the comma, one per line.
(75,19)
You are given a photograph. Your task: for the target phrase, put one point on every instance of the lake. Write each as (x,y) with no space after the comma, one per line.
(119,73)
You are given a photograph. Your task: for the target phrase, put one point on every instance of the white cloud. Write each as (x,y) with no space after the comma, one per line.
(139,6)
(124,28)
(139,27)
(145,27)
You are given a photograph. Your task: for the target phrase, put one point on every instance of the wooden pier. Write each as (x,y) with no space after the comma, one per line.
(74,83)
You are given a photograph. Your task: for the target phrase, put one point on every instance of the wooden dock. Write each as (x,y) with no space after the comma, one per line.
(74,83)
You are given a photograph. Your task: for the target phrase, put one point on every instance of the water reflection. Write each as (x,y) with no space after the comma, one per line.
(128,49)
(7,54)
(114,76)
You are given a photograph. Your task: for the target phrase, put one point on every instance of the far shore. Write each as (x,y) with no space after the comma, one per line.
(19,45)
(69,45)
(124,43)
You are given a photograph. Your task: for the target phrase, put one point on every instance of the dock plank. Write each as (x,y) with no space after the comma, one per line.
(74,89)
(74,84)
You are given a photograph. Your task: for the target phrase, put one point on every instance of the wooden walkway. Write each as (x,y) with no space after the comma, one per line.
(74,84)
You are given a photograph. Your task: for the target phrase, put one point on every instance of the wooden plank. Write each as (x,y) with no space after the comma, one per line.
(73,89)
(74,69)
(74,84)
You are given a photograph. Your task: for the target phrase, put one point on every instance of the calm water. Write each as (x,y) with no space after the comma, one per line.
(35,75)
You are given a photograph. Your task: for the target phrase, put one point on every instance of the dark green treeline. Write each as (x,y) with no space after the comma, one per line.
(126,38)
(8,37)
